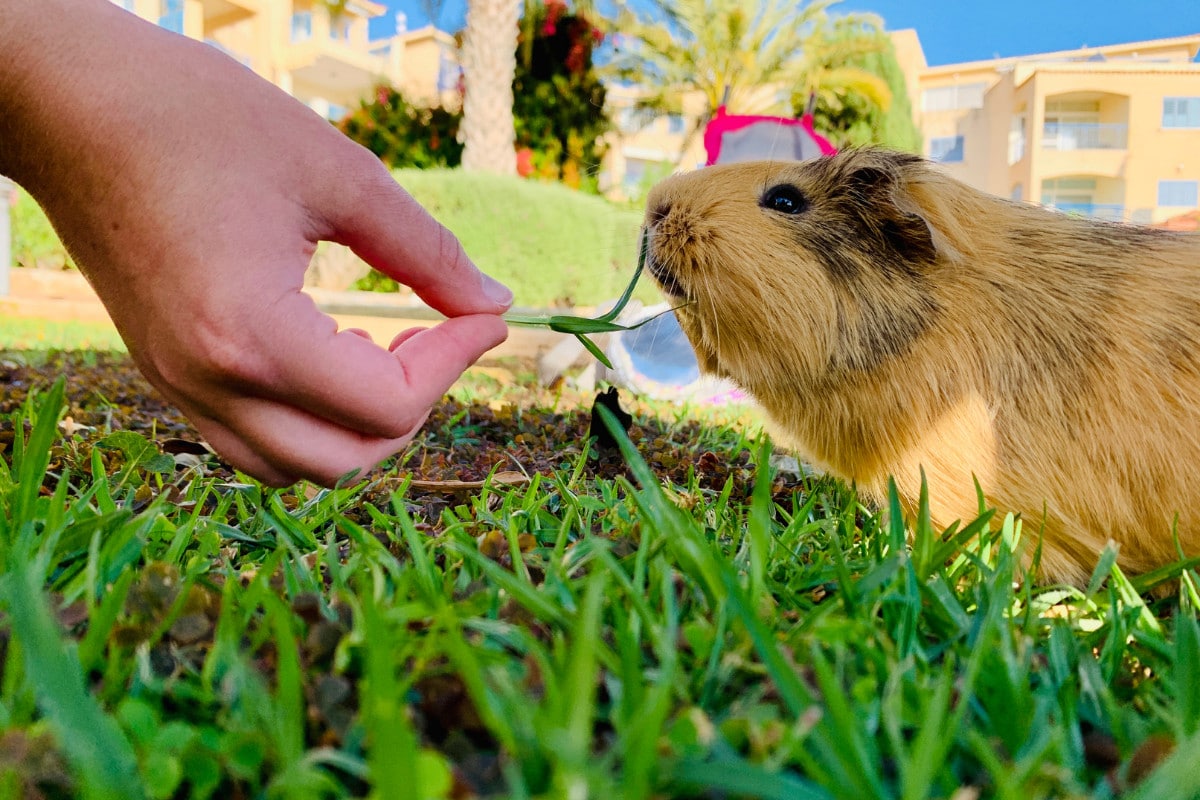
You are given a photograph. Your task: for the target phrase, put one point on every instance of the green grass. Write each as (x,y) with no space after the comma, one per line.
(551,245)
(22,333)
(170,634)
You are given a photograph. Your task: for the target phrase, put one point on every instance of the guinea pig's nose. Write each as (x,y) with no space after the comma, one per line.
(658,212)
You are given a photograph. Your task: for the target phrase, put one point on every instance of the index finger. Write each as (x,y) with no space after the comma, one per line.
(382,223)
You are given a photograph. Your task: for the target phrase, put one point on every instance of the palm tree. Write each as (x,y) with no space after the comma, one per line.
(489,59)
(753,57)
(335,8)
(827,67)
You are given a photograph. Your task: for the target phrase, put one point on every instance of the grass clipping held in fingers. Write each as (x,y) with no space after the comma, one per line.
(582,327)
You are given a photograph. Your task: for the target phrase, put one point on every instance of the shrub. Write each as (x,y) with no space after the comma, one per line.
(34,242)
(403,134)
(558,99)
(852,120)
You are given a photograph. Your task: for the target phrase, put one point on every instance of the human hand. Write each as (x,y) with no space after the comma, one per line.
(192,195)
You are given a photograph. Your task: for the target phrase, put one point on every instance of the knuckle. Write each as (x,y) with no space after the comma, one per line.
(224,356)
(451,254)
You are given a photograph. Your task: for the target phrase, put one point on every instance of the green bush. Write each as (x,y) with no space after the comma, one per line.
(551,245)
(403,134)
(558,98)
(34,242)
(852,120)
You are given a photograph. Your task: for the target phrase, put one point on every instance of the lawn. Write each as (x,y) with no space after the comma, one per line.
(24,334)
(508,612)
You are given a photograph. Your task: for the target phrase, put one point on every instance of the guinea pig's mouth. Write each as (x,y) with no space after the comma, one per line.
(665,278)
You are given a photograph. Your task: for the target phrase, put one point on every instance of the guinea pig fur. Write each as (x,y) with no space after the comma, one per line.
(893,321)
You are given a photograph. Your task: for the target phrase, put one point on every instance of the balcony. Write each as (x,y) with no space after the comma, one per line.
(1085,136)
(335,60)
(219,13)
(1110,212)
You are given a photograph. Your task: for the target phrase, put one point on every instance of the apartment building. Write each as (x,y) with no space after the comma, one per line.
(329,63)
(1110,132)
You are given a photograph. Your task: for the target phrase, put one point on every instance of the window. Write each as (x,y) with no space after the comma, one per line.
(1018,192)
(674,124)
(947,149)
(301,26)
(953,98)
(635,173)
(450,73)
(629,120)
(1068,192)
(1016,139)
(339,29)
(170,15)
(1179,193)
(1181,112)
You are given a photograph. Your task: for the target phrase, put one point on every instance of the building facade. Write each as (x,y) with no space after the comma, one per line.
(1110,132)
(328,63)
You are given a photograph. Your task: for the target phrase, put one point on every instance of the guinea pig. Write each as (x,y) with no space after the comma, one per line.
(893,321)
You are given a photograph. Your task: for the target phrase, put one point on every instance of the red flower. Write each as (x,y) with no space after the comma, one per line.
(576,59)
(524,162)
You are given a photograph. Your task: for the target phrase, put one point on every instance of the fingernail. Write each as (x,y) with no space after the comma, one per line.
(497,292)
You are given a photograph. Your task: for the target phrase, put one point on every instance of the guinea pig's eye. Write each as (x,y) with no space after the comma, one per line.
(785,198)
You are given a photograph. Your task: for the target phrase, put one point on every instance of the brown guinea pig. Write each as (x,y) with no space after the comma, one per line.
(892,320)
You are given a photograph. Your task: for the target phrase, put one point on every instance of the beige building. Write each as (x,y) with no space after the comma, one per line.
(1111,132)
(330,64)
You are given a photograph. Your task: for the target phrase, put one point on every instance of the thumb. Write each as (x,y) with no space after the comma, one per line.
(392,232)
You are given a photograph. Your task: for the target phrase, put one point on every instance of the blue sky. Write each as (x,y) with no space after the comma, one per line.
(966,30)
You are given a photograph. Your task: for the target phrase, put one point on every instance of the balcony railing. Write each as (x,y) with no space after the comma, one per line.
(1085,136)
(1107,211)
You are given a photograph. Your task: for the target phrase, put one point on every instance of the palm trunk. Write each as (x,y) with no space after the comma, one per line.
(489,58)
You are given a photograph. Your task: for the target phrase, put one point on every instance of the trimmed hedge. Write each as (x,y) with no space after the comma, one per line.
(34,242)
(551,245)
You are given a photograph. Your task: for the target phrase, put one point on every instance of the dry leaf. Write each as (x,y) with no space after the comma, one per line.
(508,478)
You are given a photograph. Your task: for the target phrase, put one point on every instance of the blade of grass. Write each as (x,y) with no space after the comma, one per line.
(394,750)
(32,458)
(104,761)
(740,778)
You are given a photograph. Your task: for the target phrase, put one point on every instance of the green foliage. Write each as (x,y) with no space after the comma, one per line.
(552,246)
(854,118)
(558,98)
(730,50)
(403,134)
(34,241)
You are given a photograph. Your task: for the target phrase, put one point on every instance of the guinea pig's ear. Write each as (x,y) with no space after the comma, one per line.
(893,212)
